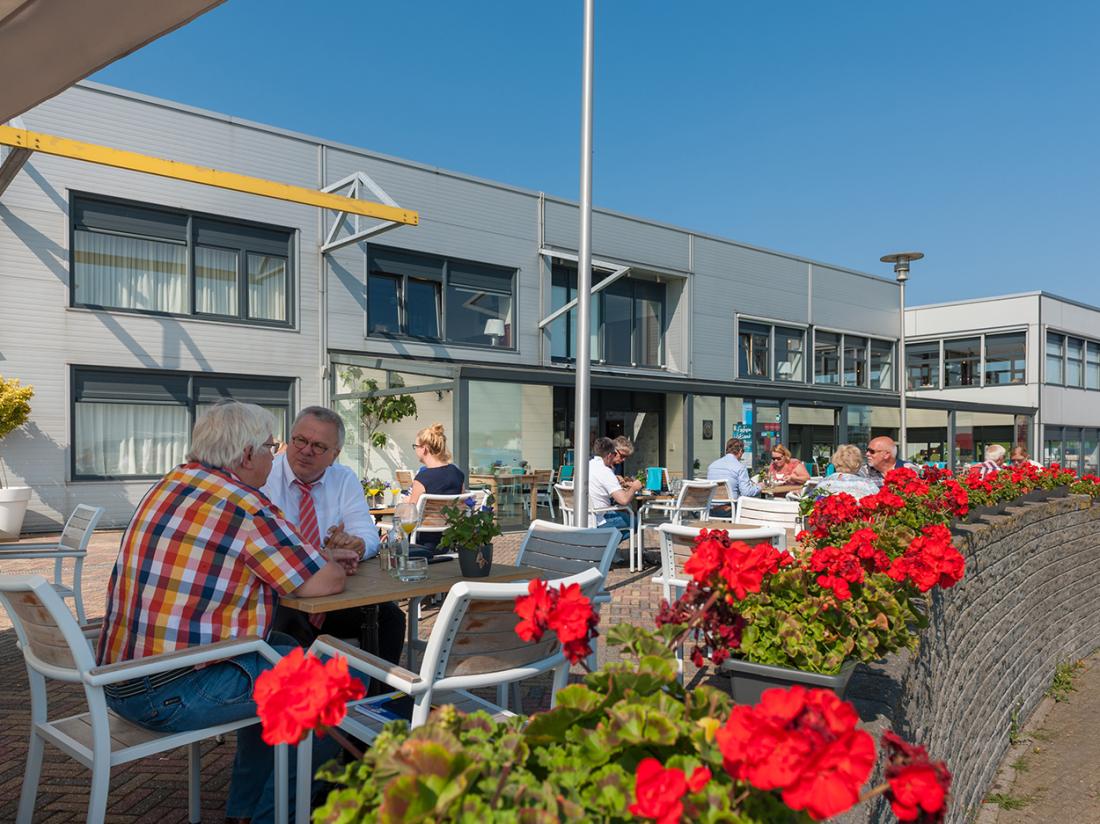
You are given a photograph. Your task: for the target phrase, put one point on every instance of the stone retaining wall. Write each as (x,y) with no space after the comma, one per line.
(1030,600)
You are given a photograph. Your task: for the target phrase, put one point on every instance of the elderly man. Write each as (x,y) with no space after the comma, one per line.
(203,560)
(882,456)
(604,487)
(994,460)
(729,468)
(325,501)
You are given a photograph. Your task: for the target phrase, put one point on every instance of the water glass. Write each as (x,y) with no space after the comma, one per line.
(414,569)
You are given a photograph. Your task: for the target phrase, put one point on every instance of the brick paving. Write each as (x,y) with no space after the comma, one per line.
(155,789)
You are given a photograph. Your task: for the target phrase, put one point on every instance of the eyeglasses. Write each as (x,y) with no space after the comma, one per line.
(271,446)
(875,451)
(416,446)
(316,447)
(777,458)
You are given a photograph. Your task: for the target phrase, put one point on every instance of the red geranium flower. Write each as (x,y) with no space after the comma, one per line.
(534,608)
(802,742)
(300,694)
(918,786)
(565,611)
(930,559)
(658,792)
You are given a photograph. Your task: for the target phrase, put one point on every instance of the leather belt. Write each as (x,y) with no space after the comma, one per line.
(137,686)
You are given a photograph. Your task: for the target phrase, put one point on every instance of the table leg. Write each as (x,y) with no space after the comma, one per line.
(368,640)
(534,500)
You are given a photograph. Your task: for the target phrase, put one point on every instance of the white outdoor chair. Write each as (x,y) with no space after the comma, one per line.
(564,492)
(677,543)
(692,501)
(473,644)
(778,513)
(429,509)
(560,549)
(723,497)
(73,544)
(55,647)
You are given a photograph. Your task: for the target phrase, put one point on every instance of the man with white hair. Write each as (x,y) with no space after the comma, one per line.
(203,560)
(994,460)
(882,456)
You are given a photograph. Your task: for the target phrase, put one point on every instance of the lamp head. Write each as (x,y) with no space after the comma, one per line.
(901,262)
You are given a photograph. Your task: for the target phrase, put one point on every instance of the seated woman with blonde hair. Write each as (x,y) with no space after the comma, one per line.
(784,469)
(846,461)
(438,476)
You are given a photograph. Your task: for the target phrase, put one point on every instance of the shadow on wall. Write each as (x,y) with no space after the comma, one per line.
(33,458)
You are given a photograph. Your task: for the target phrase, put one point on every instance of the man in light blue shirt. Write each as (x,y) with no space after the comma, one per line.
(729,468)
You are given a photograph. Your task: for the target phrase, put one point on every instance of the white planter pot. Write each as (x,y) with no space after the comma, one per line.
(13,506)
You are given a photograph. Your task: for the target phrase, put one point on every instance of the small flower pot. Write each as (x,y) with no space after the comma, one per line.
(750,679)
(476,563)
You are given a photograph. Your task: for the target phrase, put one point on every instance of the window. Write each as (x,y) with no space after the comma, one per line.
(922,365)
(1092,366)
(826,358)
(855,361)
(147,259)
(1055,370)
(882,364)
(753,357)
(962,362)
(626,324)
(1005,359)
(1075,362)
(789,348)
(137,424)
(479,304)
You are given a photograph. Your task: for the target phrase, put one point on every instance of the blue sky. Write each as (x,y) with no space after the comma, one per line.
(835,130)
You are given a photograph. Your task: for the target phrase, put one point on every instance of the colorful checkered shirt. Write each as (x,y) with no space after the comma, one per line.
(202,561)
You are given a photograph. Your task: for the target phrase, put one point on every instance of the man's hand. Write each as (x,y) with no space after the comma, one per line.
(347,558)
(338,538)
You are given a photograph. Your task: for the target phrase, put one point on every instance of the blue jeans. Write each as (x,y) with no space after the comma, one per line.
(618,519)
(219,694)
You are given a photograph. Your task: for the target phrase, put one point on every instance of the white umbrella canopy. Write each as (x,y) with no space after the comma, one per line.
(47,45)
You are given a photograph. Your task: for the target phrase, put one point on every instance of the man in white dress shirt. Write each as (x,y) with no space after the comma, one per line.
(604,487)
(325,501)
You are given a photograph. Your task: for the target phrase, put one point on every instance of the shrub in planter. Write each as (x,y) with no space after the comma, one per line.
(15,409)
(629,743)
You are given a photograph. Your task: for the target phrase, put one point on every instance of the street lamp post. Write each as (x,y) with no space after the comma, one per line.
(901,261)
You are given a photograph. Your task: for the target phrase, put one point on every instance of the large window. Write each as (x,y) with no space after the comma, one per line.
(855,361)
(826,358)
(1005,359)
(1055,351)
(882,364)
(147,259)
(1092,366)
(1075,362)
(137,424)
(922,364)
(790,346)
(435,298)
(962,360)
(753,359)
(626,322)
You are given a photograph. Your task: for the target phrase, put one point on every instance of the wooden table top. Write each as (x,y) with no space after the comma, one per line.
(372,585)
(726,525)
(382,511)
(779,491)
(481,477)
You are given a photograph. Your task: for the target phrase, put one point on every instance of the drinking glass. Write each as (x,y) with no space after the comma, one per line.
(415,569)
(406,518)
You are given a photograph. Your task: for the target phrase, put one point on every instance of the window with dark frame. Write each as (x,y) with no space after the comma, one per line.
(1075,362)
(855,360)
(142,258)
(1055,352)
(627,319)
(753,350)
(922,365)
(429,297)
(1006,359)
(882,364)
(827,358)
(790,350)
(962,360)
(137,423)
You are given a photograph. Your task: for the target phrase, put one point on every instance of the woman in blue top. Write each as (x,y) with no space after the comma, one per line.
(437,477)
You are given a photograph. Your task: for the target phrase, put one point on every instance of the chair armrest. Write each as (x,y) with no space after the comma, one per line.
(30,552)
(601,598)
(208,653)
(378,668)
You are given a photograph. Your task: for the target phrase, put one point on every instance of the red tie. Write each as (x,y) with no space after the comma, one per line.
(307,525)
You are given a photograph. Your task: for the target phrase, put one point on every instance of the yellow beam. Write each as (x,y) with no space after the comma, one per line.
(106,156)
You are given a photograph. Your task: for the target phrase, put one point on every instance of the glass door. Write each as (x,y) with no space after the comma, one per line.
(813,435)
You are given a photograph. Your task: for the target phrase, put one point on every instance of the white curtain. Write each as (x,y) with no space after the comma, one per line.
(215,281)
(118,439)
(130,273)
(278,411)
(267,287)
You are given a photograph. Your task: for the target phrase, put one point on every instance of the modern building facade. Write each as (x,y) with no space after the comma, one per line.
(1035,355)
(131,302)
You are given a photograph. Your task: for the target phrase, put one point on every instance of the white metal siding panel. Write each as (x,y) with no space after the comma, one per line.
(619,237)
(844,300)
(958,318)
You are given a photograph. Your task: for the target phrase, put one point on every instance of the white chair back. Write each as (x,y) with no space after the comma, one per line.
(429,509)
(766,512)
(678,542)
(562,549)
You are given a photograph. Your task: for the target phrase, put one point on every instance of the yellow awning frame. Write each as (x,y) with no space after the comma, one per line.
(24,141)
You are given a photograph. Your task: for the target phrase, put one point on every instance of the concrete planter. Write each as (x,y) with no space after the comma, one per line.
(750,679)
(13,506)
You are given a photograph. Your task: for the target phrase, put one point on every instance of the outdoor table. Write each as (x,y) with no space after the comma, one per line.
(732,528)
(490,480)
(371,585)
(778,491)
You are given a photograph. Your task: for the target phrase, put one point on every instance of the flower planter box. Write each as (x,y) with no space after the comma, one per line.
(750,679)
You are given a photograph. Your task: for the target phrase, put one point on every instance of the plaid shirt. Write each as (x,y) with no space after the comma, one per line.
(202,561)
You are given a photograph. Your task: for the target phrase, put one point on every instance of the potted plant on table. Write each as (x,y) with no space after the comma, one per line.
(373,490)
(470,532)
(15,409)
